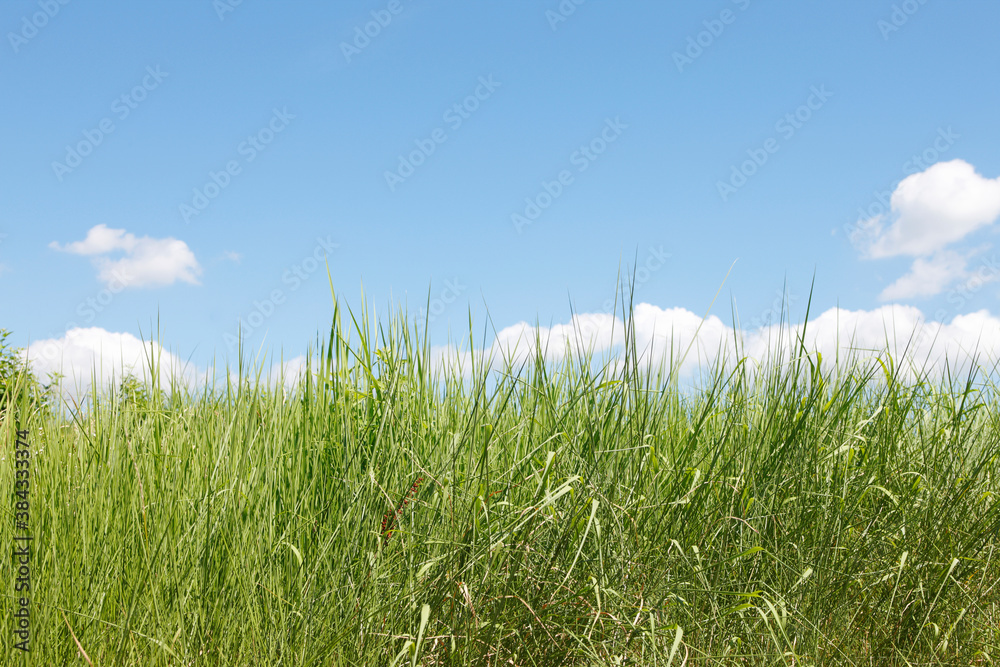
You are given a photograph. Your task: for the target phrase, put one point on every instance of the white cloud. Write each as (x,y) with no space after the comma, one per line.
(935,208)
(663,335)
(287,372)
(85,354)
(928,277)
(148,262)
(153,263)
(594,331)
(99,241)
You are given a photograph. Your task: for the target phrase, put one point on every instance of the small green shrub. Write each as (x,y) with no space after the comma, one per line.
(16,377)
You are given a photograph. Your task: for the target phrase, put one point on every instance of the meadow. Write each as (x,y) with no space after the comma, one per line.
(388,511)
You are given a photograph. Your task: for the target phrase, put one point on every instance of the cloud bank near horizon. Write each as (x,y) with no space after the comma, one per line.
(666,335)
(84,355)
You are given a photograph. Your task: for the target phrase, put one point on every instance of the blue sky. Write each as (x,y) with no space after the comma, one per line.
(228,145)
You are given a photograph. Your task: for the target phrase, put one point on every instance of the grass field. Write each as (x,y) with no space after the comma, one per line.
(381,512)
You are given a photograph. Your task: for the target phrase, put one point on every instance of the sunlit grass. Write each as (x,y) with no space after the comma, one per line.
(568,513)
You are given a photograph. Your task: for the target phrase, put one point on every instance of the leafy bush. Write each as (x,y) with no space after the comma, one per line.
(16,376)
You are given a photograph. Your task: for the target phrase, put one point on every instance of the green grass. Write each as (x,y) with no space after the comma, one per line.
(796,512)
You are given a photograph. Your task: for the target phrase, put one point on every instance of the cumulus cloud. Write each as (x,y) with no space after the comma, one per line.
(515,345)
(934,208)
(931,211)
(84,355)
(100,240)
(668,336)
(588,332)
(147,262)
